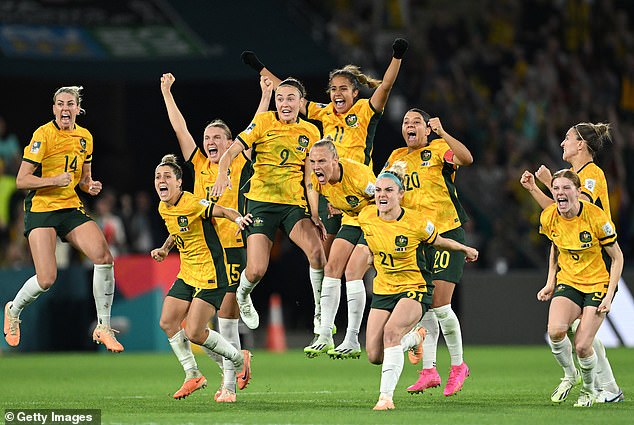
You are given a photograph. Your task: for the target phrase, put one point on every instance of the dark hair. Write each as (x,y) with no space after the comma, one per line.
(294,82)
(568,174)
(425,115)
(355,76)
(595,135)
(170,160)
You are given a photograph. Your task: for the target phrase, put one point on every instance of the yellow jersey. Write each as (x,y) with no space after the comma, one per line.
(399,263)
(595,186)
(205,174)
(580,240)
(352,132)
(201,254)
(429,184)
(353,192)
(55,151)
(278,153)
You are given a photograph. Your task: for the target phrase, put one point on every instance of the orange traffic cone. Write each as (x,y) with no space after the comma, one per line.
(276,337)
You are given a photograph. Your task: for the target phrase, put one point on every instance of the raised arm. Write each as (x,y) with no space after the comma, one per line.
(461,154)
(233,215)
(528,182)
(223,181)
(382,92)
(185,139)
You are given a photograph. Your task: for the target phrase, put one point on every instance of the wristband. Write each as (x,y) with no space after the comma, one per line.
(238,220)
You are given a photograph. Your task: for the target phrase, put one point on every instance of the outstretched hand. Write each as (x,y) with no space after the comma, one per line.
(399,47)
(251,59)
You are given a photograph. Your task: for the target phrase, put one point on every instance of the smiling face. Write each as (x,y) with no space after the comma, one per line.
(566,196)
(388,196)
(342,93)
(415,130)
(287,102)
(167,186)
(571,145)
(65,108)
(325,165)
(215,142)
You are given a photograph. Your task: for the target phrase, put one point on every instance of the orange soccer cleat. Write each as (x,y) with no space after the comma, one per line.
(105,335)
(11,327)
(245,374)
(189,386)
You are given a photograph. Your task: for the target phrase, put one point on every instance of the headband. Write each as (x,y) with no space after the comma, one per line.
(389,175)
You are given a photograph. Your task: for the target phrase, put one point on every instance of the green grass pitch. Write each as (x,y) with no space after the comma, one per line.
(508,385)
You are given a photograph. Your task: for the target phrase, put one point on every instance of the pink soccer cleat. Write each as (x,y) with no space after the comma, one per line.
(457,376)
(428,378)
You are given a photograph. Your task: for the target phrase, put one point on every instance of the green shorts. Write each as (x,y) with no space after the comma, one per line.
(352,234)
(582,299)
(268,217)
(388,302)
(63,221)
(331,224)
(236,261)
(449,265)
(186,292)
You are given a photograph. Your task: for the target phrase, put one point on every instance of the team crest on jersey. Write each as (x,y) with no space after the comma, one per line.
(353,201)
(352,120)
(585,236)
(183,223)
(82,143)
(425,156)
(401,243)
(258,222)
(35,147)
(303,142)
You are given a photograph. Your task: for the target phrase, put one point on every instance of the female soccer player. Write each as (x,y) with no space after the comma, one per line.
(579,282)
(580,145)
(429,187)
(348,119)
(348,186)
(402,289)
(276,196)
(204,167)
(57,160)
(201,283)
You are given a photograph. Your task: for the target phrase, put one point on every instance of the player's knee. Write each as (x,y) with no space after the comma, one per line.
(375,356)
(170,327)
(391,336)
(254,273)
(583,348)
(46,280)
(557,333)
(104,258)
(197,336)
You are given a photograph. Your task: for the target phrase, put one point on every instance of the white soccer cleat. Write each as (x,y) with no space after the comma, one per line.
(586,399)
(248,314)
(605,396)
(560,394)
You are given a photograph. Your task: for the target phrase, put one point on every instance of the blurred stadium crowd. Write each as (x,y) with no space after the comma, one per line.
(507,78)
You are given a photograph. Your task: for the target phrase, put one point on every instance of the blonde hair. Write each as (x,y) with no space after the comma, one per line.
(327,143)
(396,172)
(568,174)
(74,91)
(218,123)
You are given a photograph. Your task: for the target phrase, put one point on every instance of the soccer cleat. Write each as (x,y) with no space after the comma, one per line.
(319,346)
(605,396)
(248,313)
(384,403)
(415,354)
(245,374)
(105,335)
(226,396)
(456,379)
(429,378)
(586,398)
(560,394)
(189,386)
(11,327)
(345,350)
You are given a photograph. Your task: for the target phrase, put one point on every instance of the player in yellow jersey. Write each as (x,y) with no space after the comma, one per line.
(280,141)
(202,282)
(430,188)
(579,282)
(204,167)
(402,289)
(348,186)
(348,119)
(580,145)
(56,161)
